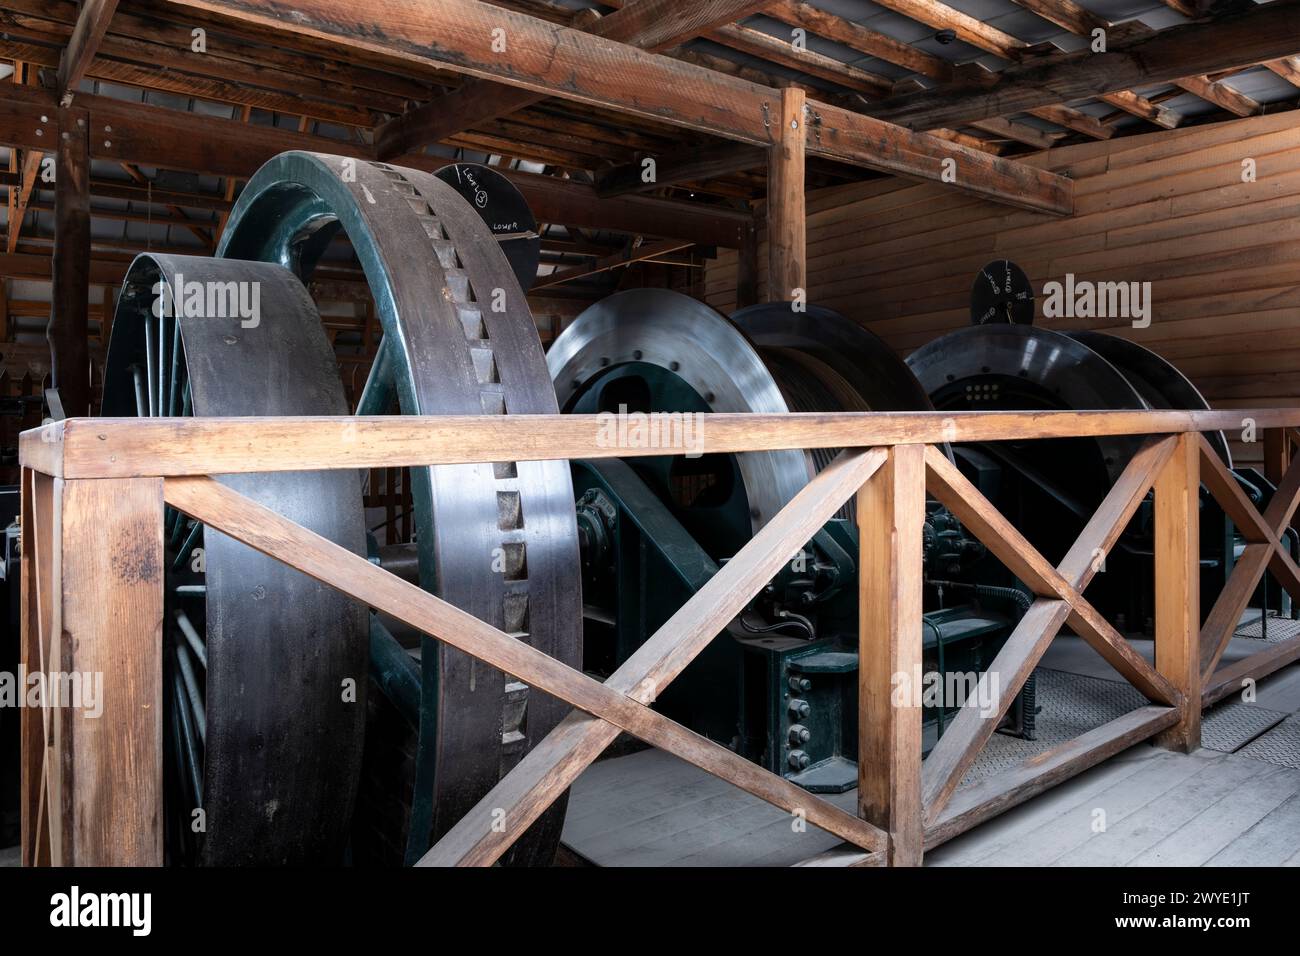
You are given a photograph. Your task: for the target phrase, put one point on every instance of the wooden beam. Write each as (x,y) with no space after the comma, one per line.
(172,139)
(622,706)
(652,25)
(747,283)
(998,793)
(1288,67)
(558,760)
(26,265)
(765,47)
(1177,587)
(968,29)
(1143,108)
(787,222)
(1082,22)
(107,581)
(1264,32)
(638,253)
(40,530)
(976,721)
(31,168)
(891,514)
(825,24)
(689,165)
(1221,95)
(554,60)
(68,329)
(987,37)
(101,448)
(92,24)
(1018,132)
(1234,678)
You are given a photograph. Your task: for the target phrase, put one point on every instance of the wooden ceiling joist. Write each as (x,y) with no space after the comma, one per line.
(640,253)
(92,24)
(1288,67)
(557,61)
(1265,32)
(172,139)
(650,25)
(682,167)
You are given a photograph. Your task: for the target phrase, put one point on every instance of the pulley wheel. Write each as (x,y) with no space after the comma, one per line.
(1023,367)
(822,362)
(498,540)
(502,206)
(1002,294)
(261,732)
(654,350)
(1160,384)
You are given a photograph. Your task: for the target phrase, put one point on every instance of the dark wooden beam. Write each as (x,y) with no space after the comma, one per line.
(688,165)
(68,330)
(1265,32)
(31,168)
(747,269)
(652,25)
(134,133)
(639,253)
(92,24)
(558,61)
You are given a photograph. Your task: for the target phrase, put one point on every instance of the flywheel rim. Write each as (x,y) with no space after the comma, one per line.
(458,339)
(273,770)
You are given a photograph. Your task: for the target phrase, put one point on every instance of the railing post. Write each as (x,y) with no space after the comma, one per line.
(1277,453)
(93,608)
(1177,585)
(891,512)
(37,525)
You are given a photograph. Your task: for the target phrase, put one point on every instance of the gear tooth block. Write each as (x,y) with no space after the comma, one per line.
(471,319)
(516,613)
(510,512)
(485,366)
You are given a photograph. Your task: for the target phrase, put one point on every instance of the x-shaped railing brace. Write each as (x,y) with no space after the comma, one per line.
(1264,549)
(622,703)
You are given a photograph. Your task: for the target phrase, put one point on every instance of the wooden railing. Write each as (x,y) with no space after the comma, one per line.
(94,492)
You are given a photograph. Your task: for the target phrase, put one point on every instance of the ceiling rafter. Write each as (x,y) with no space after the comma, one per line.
(1235,39)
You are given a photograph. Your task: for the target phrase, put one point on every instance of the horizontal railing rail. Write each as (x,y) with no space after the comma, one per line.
(94,495)
(163,447)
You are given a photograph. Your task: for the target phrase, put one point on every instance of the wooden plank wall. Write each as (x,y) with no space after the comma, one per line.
(1223,255)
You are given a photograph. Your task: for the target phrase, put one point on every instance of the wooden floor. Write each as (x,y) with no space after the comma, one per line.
(1144,807)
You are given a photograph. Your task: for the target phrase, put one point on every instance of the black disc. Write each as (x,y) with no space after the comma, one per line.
(1002,294)
(504,209)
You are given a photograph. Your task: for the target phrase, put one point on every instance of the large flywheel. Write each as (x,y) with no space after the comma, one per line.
(653,350)
(497,540)
(263,738)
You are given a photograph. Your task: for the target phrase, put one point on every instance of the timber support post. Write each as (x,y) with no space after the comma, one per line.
(891,515)
(92,626)
(68,330)
(1177,587)
(787,266)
